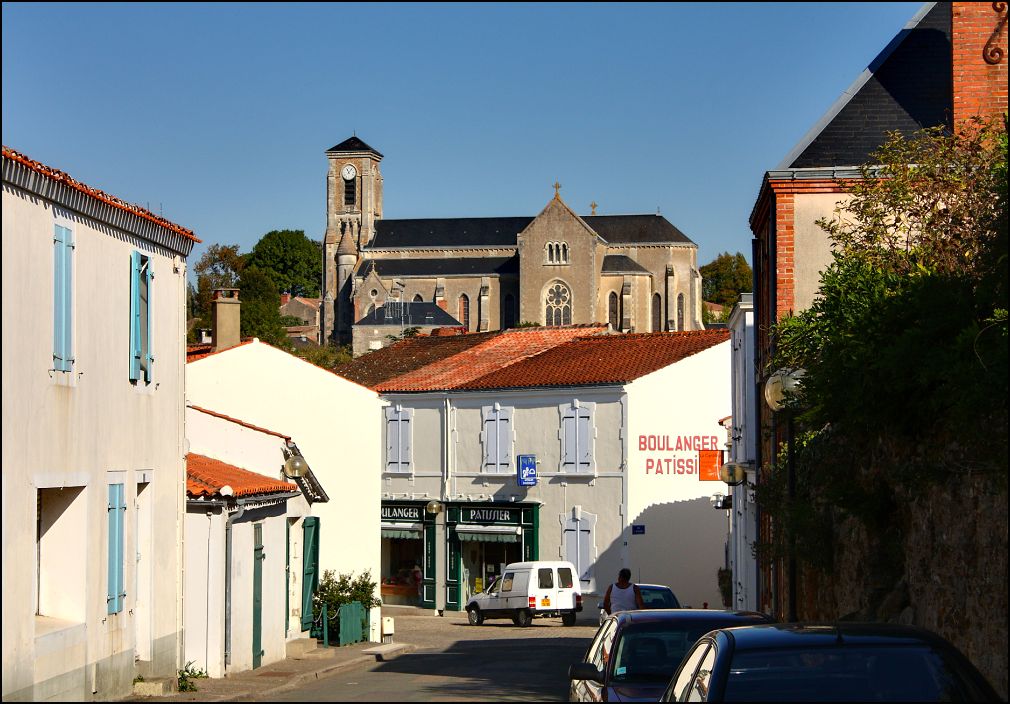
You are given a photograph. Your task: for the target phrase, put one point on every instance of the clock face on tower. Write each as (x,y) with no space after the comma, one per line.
(348,172)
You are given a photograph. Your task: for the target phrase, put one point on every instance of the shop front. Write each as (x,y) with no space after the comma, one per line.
(481,539)
(403,553)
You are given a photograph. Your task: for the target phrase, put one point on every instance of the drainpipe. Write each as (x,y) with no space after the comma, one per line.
(227,576)
(206,629)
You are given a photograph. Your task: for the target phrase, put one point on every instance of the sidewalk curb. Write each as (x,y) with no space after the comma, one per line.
(312,675)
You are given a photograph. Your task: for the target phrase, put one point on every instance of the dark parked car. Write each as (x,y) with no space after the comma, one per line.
(839,662)
(634,653)
(654,596)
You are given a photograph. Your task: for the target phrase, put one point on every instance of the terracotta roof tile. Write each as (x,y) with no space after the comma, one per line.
(496,351)
(206,476)
(61,177)
(607,359)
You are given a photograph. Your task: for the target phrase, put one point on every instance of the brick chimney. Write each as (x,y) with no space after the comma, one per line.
(225,319)
(979,37)
(285,298)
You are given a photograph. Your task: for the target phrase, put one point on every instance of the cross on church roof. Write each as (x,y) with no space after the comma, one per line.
(557,188)
(593,205)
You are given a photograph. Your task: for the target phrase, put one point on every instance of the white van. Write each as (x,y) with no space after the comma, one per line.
(527,590)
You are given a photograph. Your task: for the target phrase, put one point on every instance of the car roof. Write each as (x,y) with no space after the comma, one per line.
(812,635)
(653,586)
(538,563)
(639,616)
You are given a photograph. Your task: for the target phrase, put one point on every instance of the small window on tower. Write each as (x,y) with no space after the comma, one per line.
(349,194)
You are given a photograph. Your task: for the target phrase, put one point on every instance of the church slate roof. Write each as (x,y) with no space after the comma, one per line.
(907,87)
(502,232)
(410,313)
(448,232)
(459,266)
(353,144)
(635,229)
(621,264)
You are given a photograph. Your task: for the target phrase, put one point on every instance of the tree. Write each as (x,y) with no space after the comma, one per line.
(725,278)
(219,267)
(260,311)
(291,260)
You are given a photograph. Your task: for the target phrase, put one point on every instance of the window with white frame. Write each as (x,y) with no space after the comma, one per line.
(496,437)
(63,298)
(577,437)
(141,290)
(398,445)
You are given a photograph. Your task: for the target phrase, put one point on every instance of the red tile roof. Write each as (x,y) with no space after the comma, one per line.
(498,350)
(206,349)
(606,359)
(238,422)
(61,177)
(206,476)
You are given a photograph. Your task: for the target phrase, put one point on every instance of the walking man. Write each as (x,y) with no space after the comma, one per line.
(622,595)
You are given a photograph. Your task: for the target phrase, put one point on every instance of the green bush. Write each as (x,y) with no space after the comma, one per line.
(336,590)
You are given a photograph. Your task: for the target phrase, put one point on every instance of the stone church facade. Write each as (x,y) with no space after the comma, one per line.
(638,273)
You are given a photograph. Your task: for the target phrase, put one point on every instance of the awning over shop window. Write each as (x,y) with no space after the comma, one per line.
(489,534)
(403,531)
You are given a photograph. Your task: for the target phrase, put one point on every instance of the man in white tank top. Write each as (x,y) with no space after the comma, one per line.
(623,595)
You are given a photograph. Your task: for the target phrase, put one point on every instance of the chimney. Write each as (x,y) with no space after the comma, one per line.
(285,298)
(225,319)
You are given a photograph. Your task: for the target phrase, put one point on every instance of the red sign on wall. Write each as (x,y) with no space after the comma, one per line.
(709,462)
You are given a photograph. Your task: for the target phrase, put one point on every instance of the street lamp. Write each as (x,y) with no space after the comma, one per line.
(434,507)
(296,466)
(734,473)
(781,388)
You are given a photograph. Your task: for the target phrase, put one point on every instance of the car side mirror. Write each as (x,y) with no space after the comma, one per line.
(586,671)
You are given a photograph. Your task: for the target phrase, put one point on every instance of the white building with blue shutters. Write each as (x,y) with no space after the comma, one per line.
(94,294)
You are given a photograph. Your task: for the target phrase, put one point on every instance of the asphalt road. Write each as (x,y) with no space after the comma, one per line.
(454,661)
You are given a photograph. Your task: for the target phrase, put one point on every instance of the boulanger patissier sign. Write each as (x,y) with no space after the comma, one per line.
(676,454)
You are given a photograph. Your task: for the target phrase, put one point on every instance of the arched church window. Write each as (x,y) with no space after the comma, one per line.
(680,311)
(549,253)
(614,310)
(559,305)
(657,313)
(464,311)
(564,252)
(418,298)
(508,312)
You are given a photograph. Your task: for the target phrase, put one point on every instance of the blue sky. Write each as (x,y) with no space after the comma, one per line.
(218,115)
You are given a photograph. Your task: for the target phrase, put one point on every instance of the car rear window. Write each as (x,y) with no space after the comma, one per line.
(651,652)
(565,580)
(843,673)
(655,598)
(545,577)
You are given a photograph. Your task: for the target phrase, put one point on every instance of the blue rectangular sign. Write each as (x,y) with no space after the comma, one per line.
(637,529)
(526,470)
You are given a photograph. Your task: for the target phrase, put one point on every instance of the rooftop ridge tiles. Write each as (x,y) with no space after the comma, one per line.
(65,178)
(237,421)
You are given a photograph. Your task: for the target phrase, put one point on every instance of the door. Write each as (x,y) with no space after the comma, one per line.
(310,567)
(257,621)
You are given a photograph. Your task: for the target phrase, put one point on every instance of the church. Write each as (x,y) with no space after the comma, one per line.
(638,273)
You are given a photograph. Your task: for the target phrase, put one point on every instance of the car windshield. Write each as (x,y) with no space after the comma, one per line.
(650,652)
(658,598)
(843,673)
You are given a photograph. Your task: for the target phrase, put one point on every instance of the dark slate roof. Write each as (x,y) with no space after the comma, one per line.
(353,144)
(406,356)
(459,266)
(635,229)
(621,264)
(501,232)
(410,313)
(449,232)
(907,87)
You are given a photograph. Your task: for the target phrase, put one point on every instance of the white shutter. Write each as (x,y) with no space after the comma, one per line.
(569,441)
(392,440)
(489,433)
(405,457)
(504,439)
(585,440)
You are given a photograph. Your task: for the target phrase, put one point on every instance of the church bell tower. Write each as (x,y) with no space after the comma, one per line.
(353,204)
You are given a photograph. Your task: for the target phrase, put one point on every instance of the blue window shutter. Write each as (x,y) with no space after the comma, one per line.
(569,434)
(68,299)
(59,303)
(405,458)
(135,316)
(585,442)
(504,441)
(117,510)
(148,348)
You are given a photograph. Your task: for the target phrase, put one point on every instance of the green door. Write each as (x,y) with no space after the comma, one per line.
(257,620)
(310,567)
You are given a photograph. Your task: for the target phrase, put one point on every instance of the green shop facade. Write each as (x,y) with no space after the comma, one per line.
(480,539)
